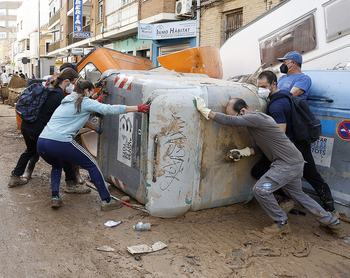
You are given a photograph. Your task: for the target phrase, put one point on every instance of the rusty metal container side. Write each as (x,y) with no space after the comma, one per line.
(203,60)
(329,101)
(186,151)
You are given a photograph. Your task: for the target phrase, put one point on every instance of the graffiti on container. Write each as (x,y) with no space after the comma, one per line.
(175,154)
(125,140)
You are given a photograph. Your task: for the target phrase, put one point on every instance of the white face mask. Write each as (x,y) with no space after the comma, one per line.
(70,88)
(263,92)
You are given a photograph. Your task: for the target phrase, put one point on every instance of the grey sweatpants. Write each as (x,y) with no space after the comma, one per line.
(287,176)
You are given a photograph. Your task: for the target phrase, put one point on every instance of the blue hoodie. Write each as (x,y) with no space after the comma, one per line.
(65,122)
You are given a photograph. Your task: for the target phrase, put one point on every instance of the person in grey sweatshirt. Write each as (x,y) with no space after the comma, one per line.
(286,165)
(56,142)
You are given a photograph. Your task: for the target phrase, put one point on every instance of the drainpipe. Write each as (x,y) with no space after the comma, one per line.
(198,21)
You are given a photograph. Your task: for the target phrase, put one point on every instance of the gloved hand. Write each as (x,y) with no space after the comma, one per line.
(200,104)
(99,129)
(238,154)
(143,108)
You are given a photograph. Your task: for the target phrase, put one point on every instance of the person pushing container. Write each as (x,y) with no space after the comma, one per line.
(286,169)
(56,143)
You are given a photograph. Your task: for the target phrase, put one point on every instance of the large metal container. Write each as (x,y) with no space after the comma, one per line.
(329,100)
(173,160)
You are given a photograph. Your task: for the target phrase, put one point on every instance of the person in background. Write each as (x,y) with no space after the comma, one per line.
(33,76)
(31,131)
(295,82)
(280,110)
(4,78)
(21,74)
(56,143)
(286,168)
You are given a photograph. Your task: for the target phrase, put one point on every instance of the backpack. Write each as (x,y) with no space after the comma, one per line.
(305,127)
(31,101)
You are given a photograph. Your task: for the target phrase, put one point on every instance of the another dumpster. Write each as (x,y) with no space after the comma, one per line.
(329,101)
(173,160)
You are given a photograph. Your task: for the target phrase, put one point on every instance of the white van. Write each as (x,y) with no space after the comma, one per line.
(317,29)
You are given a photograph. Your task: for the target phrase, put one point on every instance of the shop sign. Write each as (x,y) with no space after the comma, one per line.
(170,30)
(78,21)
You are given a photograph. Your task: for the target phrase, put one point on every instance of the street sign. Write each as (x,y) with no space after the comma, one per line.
(13,64)
(58,63)
(343,130)
(77,51)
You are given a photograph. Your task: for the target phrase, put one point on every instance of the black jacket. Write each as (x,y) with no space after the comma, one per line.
(52,102)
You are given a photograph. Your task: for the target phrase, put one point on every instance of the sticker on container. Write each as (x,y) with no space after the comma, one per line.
(322,150)
(123,81)
(125,141)
(343,130)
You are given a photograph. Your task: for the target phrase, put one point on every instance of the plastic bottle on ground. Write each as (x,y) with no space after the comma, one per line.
(142,226)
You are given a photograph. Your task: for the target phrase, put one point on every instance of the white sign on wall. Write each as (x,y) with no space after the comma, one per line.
(322,151)
(125,141)
(170,30)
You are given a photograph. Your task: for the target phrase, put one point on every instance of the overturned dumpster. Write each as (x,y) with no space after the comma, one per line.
(173,160)
(329,101)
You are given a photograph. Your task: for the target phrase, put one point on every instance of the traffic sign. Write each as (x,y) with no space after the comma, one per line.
(343,130)
(13,64)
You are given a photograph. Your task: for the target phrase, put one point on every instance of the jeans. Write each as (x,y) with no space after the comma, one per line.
(313,177)
(31,153)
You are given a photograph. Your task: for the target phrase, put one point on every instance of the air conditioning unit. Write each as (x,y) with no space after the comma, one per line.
(183,8)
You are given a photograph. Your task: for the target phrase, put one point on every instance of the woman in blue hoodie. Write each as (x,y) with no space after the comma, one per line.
(56,143)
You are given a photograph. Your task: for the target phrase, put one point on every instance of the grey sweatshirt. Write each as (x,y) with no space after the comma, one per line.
(267,134)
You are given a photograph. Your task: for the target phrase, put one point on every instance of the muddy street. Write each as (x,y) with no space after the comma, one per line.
(38,241)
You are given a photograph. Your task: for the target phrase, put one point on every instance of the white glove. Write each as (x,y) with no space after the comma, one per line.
(238,154)
(201,107)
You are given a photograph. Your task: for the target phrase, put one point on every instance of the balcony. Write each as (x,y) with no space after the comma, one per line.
(54,46)
(72,40)
(54,18)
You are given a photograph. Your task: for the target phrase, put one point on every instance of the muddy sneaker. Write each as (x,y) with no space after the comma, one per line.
(287,205)
(334,230)
(72,187)
(16,181)
(335,213)
(113,204)
(56,202)
(277,228)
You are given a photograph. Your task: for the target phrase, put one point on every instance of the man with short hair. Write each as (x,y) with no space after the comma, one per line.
(295,82)
(286,169)
(280,111)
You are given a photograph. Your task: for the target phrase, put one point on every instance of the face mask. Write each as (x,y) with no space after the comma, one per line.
(70,88)
(263,92)
(284,68)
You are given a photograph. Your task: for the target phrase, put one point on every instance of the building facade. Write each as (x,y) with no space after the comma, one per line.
(220,19)
(8,23)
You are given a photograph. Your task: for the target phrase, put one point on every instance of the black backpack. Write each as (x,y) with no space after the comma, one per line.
(305,127)
(31,101)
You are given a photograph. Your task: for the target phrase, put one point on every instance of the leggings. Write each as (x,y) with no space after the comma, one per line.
(55,152)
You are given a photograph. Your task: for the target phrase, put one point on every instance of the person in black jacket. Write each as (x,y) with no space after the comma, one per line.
(31,131)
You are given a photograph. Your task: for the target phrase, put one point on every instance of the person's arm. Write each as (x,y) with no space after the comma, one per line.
(283,127)
(295,91)
(301,86)
(277,112)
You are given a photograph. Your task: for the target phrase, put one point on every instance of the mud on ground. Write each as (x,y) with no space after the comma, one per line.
(37,241)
